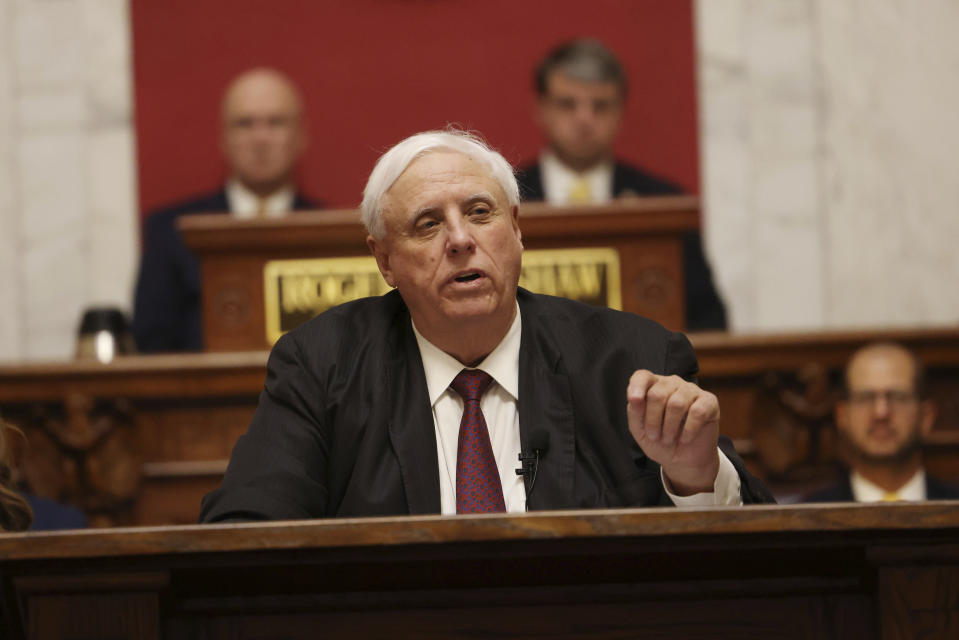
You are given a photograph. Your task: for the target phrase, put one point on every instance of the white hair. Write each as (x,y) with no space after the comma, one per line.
(394,162)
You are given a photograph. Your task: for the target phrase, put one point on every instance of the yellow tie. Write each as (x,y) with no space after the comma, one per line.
(261,211)
(891,496)
(580,192)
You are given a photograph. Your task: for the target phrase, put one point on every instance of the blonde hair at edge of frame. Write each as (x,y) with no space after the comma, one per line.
(15,513)
(394,162)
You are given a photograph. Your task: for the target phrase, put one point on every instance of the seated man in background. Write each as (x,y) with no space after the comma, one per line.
(422,400)
(882,421)
(263,136)
(582,88)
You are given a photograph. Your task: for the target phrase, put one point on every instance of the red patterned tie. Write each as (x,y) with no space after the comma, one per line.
(478,488)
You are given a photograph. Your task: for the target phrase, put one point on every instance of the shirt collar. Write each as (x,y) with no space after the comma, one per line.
(865,491)
(245,204)
(502,363)
(557,178)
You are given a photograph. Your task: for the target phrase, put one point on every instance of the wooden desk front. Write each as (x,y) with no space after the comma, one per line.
(878,571)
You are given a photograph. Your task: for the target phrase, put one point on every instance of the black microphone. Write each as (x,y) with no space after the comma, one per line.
(529,460)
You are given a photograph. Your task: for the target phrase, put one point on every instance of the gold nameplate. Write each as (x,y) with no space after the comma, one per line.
(296,290)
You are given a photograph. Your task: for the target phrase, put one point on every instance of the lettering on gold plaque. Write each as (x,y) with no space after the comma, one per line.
(296,290)
(587,275)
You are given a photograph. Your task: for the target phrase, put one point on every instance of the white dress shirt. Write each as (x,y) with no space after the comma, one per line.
(558,179)
(865,491)
(245,205)
(499,407)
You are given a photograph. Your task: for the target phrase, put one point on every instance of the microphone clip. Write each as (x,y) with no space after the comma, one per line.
(528,462)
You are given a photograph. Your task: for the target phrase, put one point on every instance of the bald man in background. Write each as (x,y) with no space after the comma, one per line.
(883,421)
(263,136)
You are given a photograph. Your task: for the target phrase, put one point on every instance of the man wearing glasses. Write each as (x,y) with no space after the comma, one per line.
(882,422)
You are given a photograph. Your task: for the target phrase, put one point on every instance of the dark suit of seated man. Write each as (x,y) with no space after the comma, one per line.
(581,89)
(263,136)
(422,400)
(882,422)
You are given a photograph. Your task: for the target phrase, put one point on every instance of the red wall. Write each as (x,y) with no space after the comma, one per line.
(375,71)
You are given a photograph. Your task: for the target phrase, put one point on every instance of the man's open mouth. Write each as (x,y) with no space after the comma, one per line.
(467,277)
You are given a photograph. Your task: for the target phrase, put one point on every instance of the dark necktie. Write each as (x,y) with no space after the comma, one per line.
(478,488)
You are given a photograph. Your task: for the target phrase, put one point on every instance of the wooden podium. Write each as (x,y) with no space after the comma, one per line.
(878,571)
(646,233)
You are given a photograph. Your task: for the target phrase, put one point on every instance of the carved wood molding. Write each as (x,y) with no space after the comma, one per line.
(82,451)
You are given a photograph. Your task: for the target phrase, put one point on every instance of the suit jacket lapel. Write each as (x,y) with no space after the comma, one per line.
(545,407)
(844,490)
(411,429)
(938,490)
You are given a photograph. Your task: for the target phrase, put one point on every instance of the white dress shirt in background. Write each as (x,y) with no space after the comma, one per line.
(245,205)
(559,180)
(865,491)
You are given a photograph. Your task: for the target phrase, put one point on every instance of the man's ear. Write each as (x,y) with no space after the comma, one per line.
(382,256)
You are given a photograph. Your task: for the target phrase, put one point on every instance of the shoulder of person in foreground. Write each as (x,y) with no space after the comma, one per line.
(587,331)
(277,470)
(598,346)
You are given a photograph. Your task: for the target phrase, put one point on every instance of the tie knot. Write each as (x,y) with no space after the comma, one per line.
(471,384)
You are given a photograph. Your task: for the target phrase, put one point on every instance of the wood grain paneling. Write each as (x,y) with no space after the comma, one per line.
(805,572)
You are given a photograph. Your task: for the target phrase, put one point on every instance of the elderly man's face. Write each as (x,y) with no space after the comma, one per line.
(580,119)
(452,245)
(883,419)
(263,135)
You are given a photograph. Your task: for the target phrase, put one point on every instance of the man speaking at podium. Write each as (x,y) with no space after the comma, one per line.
(263,136)
(427,399)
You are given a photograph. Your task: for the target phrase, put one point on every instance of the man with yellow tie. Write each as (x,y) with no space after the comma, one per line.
(263,136)
(882,422)
(581,89)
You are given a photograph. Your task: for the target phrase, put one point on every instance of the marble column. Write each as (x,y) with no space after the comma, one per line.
(759,123)
(828,130)
(890,134)
(10,321)
(71,206)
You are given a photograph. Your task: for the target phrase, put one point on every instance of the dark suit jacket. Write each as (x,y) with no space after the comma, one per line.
(167,302)
(344,425)
(49,515)
(704,307)
(842,491)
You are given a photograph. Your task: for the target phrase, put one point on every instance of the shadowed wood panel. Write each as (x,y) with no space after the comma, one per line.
(809,618)
(799,572)
(105,616)
(919,602)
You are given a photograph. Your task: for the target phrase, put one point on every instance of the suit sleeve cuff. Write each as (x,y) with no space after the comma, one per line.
(726,489)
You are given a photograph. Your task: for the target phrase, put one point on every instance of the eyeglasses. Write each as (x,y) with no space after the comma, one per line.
(893,398)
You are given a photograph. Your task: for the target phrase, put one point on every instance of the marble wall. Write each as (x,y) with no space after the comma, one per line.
(827,130)
(68,204)
(890,179)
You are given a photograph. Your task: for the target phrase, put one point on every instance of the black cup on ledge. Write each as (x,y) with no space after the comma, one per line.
(104,334)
